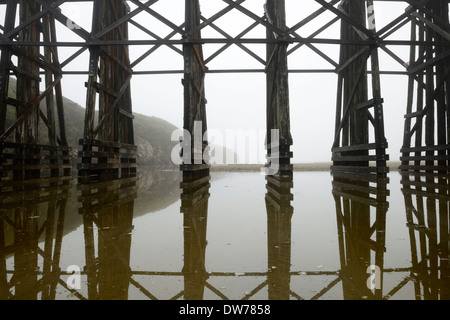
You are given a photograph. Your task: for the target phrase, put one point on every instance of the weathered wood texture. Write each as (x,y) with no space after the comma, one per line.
(10,16)
(28,77)
(352,148)
(103,160)
(277,79)
(426,141)
(195,120)
(30,160)
(109,81)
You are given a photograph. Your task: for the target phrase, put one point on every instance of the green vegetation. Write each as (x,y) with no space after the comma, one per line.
(152,134)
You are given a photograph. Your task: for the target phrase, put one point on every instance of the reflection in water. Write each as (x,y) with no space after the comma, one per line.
(35,215)
(279,215)
(109,207)
(30,214)
(194,206)
(359,199)
(36,222)
(427,213)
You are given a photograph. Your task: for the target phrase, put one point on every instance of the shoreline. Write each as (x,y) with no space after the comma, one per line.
(313,166)
(298,167)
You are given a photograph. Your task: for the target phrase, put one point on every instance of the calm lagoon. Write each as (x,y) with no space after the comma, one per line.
(139,240)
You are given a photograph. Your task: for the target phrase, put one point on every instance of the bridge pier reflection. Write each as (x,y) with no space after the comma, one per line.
(359,199)
(41,234)
(29,215)
(427,213)
(107,208)
(194,206)
(279,214)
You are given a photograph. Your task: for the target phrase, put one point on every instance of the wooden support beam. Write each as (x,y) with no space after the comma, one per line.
(195,121)
(431,71)
(33,22)
(28,89)
(354,121)
(10,17)
(109,81)
(277,82)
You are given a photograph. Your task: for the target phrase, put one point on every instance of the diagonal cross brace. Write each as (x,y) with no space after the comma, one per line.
(114,106)
(239,36)
(32,106)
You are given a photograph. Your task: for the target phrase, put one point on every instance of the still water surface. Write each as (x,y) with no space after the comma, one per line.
(143,239)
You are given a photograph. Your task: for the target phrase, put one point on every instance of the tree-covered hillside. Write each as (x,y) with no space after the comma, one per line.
(152,134)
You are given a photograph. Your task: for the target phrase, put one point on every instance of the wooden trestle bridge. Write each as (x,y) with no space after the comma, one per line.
(29,56)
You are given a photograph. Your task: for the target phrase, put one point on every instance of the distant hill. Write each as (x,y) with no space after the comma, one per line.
(152,134)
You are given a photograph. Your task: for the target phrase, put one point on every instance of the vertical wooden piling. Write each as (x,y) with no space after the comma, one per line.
(108,150)
(5,67)
(195,120)
(426,142)
(28,82)
(195,167)
(28,79)
(10,17)
(25,153)
(278,110)
(355,86)
(352,149)
(279,170)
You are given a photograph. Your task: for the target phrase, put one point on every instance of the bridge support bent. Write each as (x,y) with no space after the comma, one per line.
(108,150)
(352,149)
(28,103)
(426,142)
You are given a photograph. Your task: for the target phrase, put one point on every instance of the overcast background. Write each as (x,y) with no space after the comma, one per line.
(238,101)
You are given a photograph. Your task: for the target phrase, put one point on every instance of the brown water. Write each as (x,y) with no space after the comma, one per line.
(225,239)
